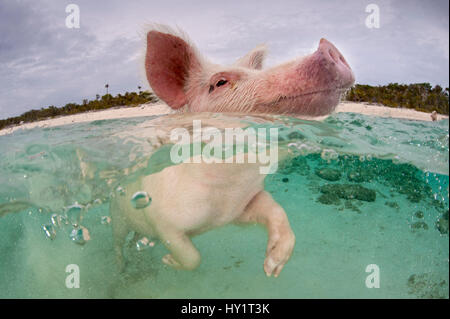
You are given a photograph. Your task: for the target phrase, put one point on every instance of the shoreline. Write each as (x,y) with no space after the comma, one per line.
(161,109)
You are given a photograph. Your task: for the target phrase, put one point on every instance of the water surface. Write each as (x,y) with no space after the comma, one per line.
(358,190)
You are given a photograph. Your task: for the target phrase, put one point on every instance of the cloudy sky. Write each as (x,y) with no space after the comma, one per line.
(42,62)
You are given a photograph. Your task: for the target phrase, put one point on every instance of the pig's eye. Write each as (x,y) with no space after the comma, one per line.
(221,82)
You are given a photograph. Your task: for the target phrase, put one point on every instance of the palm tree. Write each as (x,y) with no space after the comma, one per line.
(107,86)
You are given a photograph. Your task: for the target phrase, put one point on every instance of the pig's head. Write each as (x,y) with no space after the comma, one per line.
(180,76)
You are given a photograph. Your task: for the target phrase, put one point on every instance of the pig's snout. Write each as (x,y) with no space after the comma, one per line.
(332,53)
(335,63)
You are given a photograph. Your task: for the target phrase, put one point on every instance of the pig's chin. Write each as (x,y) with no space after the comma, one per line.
(311,104)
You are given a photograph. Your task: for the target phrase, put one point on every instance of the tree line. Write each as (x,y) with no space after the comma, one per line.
(419,96)
(100,103)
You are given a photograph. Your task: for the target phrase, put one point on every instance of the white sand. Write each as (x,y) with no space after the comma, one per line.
(113,113)
(384,111)
(160,108)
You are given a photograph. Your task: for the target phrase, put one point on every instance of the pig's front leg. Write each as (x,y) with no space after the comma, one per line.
(183,254)
(263,209)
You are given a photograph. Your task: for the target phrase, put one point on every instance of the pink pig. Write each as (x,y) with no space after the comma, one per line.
(311,85)
(189,199)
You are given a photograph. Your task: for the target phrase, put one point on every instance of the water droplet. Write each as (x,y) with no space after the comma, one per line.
(142,244)
(140,200)
(106,220)
(56,220)
(74,213)
(120,190)
(49,231)
(362,158)
(80,235)
(63,220)
(369,157)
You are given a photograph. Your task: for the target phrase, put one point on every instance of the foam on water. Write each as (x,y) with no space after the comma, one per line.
(358,190)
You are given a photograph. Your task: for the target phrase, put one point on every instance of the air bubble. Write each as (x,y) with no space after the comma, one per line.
(140,200)
(74,213)
(80,235)
(120,190)
(49,231)
(142,244)
(106,220)
(304,149)
(56,220)
(329,154)
(63,219)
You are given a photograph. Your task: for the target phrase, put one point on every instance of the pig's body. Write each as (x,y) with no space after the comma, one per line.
(188,199)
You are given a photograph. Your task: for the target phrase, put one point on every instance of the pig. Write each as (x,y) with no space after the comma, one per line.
(309,86)
(191,198)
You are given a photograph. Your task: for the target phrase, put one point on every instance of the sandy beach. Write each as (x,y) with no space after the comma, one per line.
(161,108)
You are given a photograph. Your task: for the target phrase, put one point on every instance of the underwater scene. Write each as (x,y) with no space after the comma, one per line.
(363,194)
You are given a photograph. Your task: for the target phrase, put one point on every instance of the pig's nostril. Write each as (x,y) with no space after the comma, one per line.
(333,55)
(343,61)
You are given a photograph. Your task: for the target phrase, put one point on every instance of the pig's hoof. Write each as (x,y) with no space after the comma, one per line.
(170,261)
(278,253)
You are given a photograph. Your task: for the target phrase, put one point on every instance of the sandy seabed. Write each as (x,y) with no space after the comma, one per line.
(160,109)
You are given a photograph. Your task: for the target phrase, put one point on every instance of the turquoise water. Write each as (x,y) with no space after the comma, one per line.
(357,190)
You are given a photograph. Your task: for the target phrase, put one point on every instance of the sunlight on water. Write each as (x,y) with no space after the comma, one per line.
(358,190)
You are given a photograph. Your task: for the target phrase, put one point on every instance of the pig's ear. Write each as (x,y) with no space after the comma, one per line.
(254,59)
(169,61)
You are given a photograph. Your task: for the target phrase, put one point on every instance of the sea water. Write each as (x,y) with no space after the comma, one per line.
(367,198)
